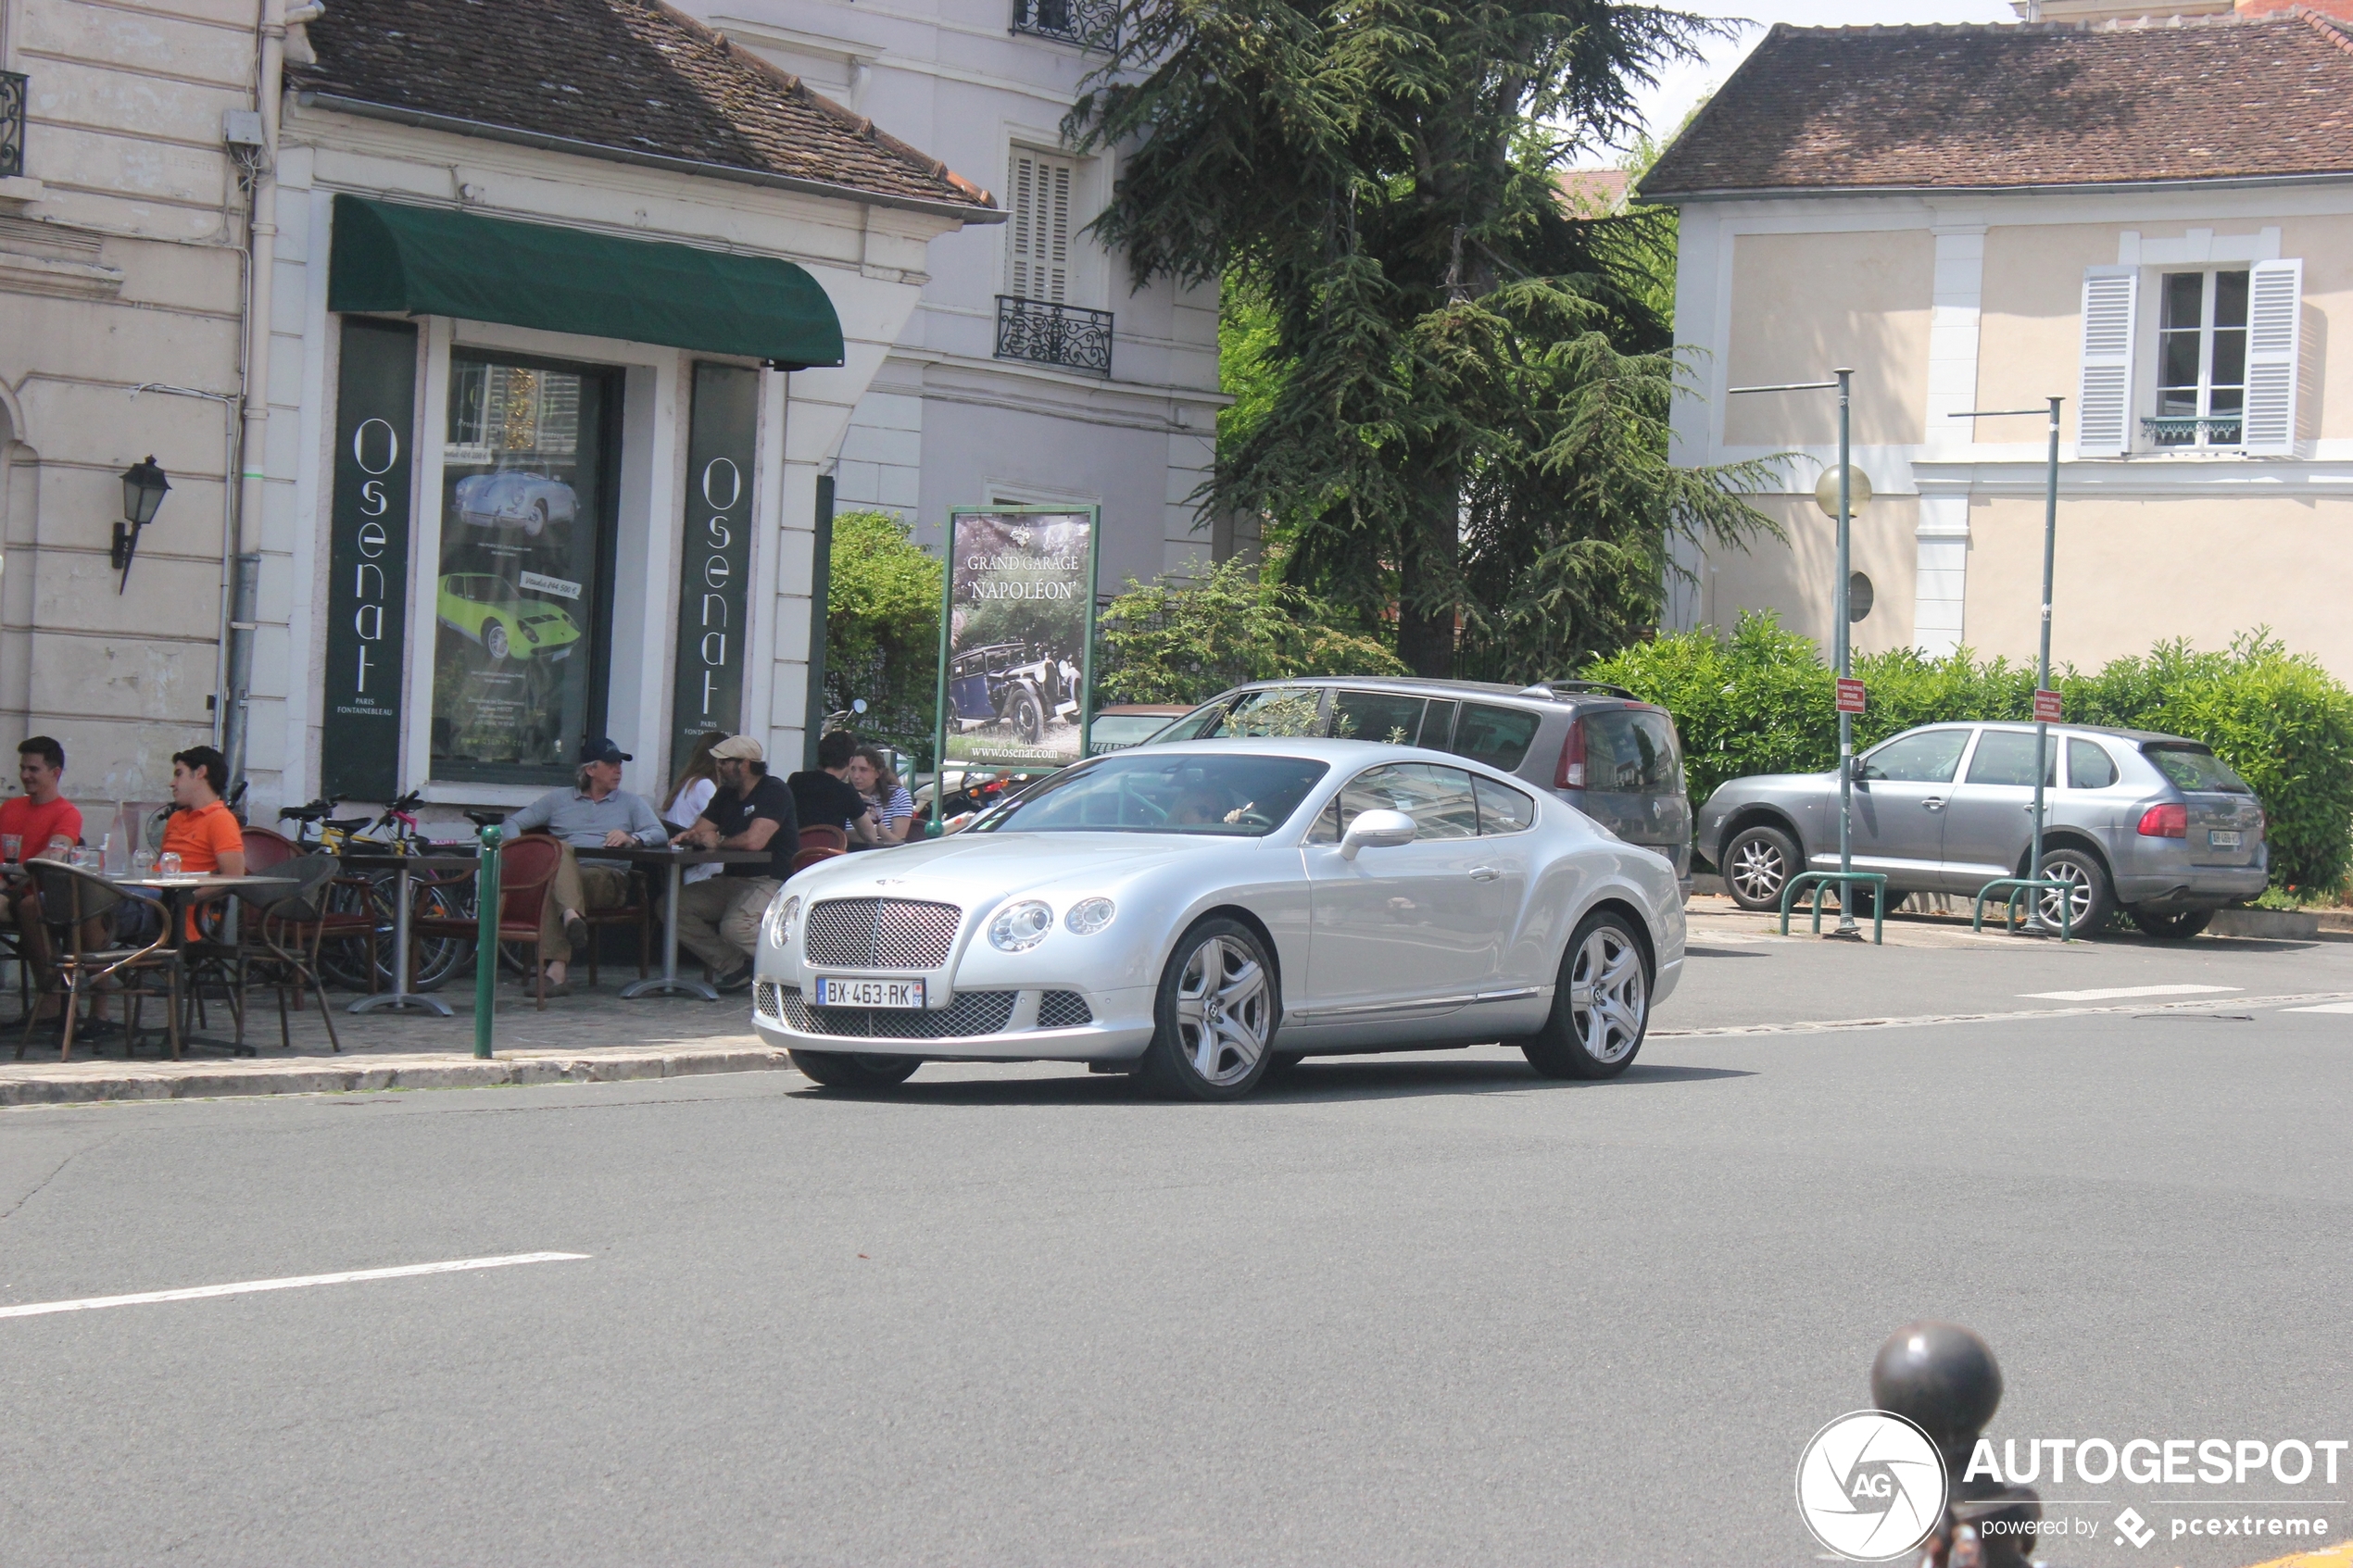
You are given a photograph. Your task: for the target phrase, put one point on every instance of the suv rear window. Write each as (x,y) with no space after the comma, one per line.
(1497,736)
(1628,751)
(2196,769)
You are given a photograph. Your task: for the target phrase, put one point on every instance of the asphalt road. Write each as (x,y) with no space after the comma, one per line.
(1414,1311)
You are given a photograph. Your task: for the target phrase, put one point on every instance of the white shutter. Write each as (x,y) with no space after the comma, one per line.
(1037,232)
(2104,405)
(2275,308)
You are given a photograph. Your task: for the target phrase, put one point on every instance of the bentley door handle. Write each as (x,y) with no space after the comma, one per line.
(1934,803)
(1484,874)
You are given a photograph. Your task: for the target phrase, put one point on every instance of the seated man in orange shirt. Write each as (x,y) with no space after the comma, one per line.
(203,833)
(45,825)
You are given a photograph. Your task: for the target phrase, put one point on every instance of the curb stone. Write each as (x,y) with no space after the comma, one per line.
(207,1081)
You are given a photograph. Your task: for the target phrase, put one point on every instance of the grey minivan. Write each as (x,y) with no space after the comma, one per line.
(1617,759)
(2155,824)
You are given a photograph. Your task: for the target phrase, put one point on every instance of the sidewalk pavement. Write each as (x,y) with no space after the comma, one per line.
(589,1036)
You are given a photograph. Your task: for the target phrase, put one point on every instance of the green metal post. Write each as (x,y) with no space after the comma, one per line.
(1841,632)
(486,947)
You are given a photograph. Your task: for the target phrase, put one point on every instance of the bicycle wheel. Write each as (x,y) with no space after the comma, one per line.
(439,957)
(348,963)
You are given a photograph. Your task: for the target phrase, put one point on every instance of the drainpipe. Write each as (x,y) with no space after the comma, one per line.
(260,269)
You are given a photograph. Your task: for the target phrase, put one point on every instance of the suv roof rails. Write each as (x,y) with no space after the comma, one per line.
(1579,688)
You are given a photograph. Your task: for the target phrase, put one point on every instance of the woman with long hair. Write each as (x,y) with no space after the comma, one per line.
(889,807)
(691,791)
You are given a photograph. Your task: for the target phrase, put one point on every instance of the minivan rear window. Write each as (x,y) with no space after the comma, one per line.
(1497,736)
(1629,751)
(2195,769)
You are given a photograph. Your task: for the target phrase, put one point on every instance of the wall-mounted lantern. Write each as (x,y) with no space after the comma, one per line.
(144,486)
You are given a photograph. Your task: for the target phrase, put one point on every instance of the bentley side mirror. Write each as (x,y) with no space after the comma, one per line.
(1376,830)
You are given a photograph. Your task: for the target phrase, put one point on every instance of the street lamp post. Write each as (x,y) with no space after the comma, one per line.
(1844,386)
(2035,924)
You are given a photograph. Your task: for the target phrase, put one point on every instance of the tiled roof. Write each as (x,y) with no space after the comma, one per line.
(634,76)
(1989,106)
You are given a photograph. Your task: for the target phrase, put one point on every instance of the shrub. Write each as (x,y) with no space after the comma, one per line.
(1760,702)
(882,630)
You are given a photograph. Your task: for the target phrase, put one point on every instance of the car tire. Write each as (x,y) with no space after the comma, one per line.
(1028,716)
(2094,900)
(536,523)
(855,1070)
(1217,1015)
(1601,1003)
(494,640)
(1758,863)
(2179,926)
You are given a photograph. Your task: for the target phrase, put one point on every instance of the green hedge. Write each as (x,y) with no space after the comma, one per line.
(1760,702)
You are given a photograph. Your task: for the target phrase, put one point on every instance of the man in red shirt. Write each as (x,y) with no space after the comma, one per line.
(44,825)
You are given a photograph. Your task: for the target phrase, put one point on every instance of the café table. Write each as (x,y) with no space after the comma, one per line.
(181,894)
(404,868)
(670,982)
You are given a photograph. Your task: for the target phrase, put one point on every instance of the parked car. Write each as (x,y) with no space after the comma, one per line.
(531,500)
(1615,759)
(1130,723)
(2157,824)
(1207,913)
(492,611)
(1013,684)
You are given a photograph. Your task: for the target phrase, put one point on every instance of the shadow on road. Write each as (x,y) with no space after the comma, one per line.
(1335,1078)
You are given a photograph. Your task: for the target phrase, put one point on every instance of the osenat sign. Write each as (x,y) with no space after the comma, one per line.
(715,559)
(367,560)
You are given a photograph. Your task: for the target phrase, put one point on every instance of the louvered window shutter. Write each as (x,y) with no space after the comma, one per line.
(1039,237)
(2103,406)
(2275,308)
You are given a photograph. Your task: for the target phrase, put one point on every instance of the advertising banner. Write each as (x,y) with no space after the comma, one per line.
(714,567)
(367,560)
(524,581)
(1016,656)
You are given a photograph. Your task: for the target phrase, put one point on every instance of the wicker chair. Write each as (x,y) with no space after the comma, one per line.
(71,898)
(280,932)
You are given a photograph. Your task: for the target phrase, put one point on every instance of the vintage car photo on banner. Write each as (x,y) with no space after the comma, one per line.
(1021,611)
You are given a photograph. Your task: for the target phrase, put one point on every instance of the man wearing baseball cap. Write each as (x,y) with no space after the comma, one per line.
(719,919)
(594,813)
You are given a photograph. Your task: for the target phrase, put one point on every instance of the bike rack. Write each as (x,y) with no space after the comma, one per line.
(2020,888)
(1822,881)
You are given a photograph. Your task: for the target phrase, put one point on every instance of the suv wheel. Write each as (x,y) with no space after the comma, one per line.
(1757,865)
(2088,893)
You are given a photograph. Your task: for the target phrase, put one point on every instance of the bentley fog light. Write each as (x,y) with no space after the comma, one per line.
(1090,915)
(781,914)
(1019,927)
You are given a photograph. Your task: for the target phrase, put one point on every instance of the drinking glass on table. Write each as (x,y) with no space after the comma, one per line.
(60,847)
(83,859)
(11,847)
(167,863)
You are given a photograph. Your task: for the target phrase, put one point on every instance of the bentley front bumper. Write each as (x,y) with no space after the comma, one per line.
(1049,1024)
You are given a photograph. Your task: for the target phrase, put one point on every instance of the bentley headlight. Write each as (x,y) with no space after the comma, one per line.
(1019,927)
(1090,915)
(781,915)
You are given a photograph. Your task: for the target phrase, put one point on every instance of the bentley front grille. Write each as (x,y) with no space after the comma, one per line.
(1063,1009)
(881,934)
(971,1012)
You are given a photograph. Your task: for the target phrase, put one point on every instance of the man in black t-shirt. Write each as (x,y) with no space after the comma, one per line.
(823,796)
(719,918)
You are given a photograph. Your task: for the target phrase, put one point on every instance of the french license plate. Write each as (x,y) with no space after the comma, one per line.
(2222,838)
(832,993)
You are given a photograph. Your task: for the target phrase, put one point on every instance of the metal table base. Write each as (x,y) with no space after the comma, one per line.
(670,983)
(400,997)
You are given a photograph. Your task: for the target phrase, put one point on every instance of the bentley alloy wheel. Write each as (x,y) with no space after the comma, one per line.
(1600,1005)
(1216,1013)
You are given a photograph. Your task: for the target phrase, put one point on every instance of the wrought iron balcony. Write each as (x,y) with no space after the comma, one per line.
(1054,334)
(2184,430)
(1090,24)
(12,85)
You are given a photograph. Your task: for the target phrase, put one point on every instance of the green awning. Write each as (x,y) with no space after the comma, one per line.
(429,261)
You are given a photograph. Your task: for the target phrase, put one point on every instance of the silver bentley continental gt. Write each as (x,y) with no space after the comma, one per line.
(1206,913)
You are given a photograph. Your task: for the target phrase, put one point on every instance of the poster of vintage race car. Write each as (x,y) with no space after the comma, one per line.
(1020,614)
(515,498)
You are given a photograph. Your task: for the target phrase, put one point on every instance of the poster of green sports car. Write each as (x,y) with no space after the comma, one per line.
(1015,664)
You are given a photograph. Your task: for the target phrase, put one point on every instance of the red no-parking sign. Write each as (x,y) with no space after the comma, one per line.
(1850,695)
(2047,707)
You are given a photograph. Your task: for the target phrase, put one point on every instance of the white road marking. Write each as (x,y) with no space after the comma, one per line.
(201,1292)
(2325,1007)
(2112,992)
(1922,1021)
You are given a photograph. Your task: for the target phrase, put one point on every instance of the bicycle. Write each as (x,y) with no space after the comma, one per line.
(373,893)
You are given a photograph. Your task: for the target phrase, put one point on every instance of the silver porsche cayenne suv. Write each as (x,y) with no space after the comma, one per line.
(2155,824)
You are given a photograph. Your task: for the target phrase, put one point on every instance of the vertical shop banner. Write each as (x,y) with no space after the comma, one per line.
(1016,663)
(714,567)
(367,560)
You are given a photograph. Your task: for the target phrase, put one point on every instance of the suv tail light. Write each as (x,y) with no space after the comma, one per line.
(2166,822)
(1572,774)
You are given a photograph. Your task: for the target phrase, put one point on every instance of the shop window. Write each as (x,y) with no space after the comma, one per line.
(524,590)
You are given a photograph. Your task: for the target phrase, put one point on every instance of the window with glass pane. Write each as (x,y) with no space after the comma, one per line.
(1929,757)
(1497,736)
(1438,724)
(2006,757)
(1277,711)
(1629,752)
(1381,716)
(522,594)
(2089,766)
(2201,359)
(1503,809)
(1439,800)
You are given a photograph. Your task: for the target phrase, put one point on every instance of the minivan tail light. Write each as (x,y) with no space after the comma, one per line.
(2166,822)
(1572,774)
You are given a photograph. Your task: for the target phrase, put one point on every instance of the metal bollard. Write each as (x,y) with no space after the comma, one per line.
(1944,1379)
(486,944)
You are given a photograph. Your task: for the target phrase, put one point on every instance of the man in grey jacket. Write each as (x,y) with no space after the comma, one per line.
(595,813)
